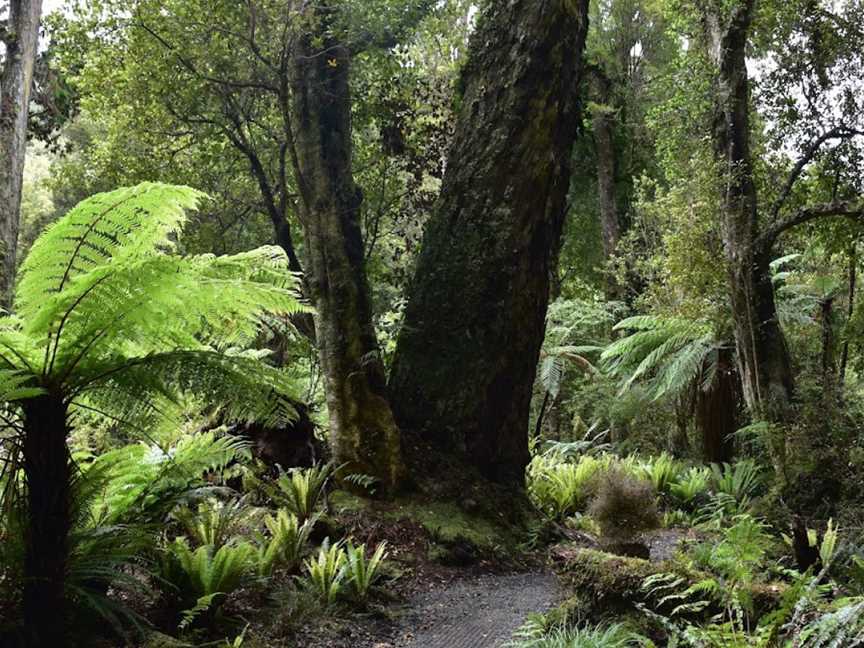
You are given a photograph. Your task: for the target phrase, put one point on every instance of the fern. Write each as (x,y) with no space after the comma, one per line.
(107,319)
(362,572)
(300,490)
(287,542)
(326,572)
(668,354)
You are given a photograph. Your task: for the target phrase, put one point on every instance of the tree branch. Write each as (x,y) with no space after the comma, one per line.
(838,132)
(848,208)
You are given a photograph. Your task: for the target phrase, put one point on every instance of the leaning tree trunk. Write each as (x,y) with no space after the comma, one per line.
(763,357)
(467,354)
(47,473)
(362,428)
(20,37)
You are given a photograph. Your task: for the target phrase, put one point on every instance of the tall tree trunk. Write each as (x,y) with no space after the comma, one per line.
(467,354)
(47,473)
(717,411)
(763,357)
(362,428)
(604,144)
(20,36)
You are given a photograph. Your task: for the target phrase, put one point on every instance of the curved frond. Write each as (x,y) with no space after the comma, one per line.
(126,223)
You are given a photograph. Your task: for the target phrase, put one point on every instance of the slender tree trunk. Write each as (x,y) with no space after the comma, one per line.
(829,352)
(20,38)
(763,357)
(467,355)
(604,144)
(850,310)
(47,471)
(362,428)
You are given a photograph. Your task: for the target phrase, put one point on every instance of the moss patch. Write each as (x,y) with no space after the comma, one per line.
(611,582)
(456,537)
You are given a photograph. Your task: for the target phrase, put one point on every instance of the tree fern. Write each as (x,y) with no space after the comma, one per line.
(669,354)
(107,319)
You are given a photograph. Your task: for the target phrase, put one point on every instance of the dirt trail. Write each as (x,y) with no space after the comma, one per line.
(477,612)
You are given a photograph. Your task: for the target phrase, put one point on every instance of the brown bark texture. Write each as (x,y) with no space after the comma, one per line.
(763,356)
(468,350)
(717,410)
(363,431)
(20,39)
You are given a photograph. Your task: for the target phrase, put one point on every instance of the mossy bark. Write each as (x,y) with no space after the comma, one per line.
(763,357)
(363,431)
(20,38)
(468,350)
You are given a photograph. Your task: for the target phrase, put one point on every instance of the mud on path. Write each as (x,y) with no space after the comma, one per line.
(475,612)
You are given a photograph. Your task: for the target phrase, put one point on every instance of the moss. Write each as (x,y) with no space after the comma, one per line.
(605,577)
(341,501)
(608,581)
(457,537)
(159,640)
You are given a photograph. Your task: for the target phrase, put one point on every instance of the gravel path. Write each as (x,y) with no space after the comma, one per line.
(480,612)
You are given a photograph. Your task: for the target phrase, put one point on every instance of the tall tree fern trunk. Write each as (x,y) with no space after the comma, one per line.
(763,357)
(47,471)
(468,350)
(20,37)
(362,428)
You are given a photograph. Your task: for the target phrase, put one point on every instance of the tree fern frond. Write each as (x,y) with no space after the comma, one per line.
(128,222)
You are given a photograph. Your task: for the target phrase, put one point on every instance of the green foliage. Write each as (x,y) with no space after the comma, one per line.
(741,480)
(559,488)
(537,633)
(326,572)
(287,543)
(671,354)
(362,572)
(662,471)
(691,488)
(214,522)
(300,490)
(142,483)
(207,571)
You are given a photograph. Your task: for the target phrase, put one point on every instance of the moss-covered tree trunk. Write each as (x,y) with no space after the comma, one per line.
(49,521)
(19,35)
(603,122)
(468,350)
(763,357)
(362,428)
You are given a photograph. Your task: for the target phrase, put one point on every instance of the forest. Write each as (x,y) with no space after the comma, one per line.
(431,323)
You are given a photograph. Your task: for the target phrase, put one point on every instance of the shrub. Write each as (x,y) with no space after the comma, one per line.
(207,572)
(215,523)
(740,480)
(624,506)
(536,633)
